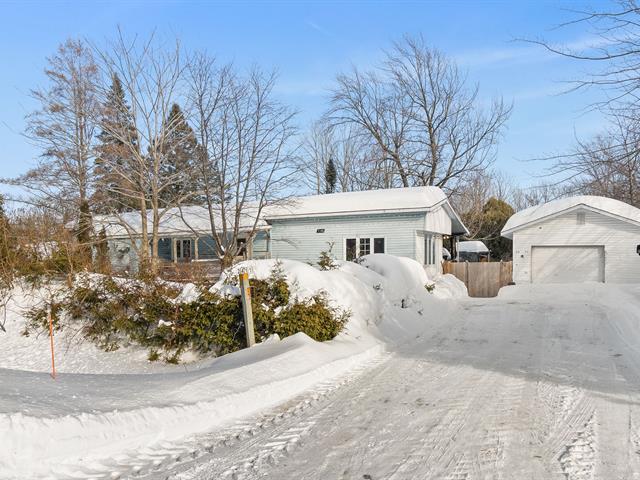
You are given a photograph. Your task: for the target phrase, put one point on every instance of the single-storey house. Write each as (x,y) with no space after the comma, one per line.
(184,236)
(576,239)
(410,222)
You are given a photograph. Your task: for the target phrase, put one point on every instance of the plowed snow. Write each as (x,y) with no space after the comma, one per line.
(536,384)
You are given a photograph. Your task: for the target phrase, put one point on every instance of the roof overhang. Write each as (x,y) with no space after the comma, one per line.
(580,206)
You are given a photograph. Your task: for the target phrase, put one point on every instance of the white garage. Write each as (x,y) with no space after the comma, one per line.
(576,240)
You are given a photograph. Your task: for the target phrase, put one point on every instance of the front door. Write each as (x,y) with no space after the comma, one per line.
(184,250)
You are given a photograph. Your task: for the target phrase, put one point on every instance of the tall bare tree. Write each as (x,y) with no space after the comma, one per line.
(374,104)
(614,53)
(451,135)
(357,160)
(420,112)
(150,75)
(245,153)
(63,127)
(607,165)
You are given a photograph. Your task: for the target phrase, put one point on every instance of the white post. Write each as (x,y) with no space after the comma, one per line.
(245,292)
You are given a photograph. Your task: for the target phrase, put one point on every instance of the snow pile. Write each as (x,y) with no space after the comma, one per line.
(85,420)
(74,354)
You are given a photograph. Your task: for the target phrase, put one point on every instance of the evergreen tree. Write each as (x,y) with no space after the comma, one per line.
(180,149)
(112,192)
(495,214)
(330,176)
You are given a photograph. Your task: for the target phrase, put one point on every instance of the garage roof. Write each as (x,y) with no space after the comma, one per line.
(604,205)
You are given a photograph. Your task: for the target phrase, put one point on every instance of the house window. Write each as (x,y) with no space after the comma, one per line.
(183,249)
(359,246)
(378,245)
(429,250)
(365,246)
(351,252)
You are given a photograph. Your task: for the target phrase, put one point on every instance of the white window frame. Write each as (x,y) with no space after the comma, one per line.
(430,247)
(191,248)
(357,239)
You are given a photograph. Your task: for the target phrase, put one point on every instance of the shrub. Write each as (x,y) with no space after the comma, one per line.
(326,261)
(112,313)
(312,316)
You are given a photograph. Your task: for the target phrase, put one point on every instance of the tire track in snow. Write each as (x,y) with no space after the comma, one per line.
(578,458)
(159,461)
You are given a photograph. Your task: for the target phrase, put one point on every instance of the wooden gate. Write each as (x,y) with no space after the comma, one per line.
(483,279)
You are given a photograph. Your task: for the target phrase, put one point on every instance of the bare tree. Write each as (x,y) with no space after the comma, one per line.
(451,135)
(64,128)
(607,165)
(245,155)
(420,113)
(357,160)
(379,109)
(151,76)
(614,53)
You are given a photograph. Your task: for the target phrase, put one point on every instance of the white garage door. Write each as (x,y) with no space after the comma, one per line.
(571,264)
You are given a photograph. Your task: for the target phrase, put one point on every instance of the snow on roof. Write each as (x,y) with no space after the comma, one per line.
(362,202)
(196,218)
(602,204)
(186,219)
(472,246)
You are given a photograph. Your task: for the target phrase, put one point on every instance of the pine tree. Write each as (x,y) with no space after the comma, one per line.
(180,149)
(112,193)
(330,176)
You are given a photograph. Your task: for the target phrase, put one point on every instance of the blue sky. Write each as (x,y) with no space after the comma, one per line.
(310,42)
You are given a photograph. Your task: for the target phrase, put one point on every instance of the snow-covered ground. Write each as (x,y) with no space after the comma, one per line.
(539,383)
(542,382)
(106,412)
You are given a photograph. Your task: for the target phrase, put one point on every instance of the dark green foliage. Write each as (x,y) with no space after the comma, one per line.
(313,317)
(38,318)
(180,149)
(113,191)
(495,214)
(326,262)
(330,177)
(113,313)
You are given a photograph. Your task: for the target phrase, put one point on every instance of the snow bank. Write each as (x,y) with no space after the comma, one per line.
(81,420)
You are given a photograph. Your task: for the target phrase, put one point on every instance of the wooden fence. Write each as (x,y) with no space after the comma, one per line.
(483,279)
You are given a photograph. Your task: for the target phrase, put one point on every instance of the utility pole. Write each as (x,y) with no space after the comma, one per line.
(245,292)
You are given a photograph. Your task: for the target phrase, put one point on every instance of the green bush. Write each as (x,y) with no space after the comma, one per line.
(113,313)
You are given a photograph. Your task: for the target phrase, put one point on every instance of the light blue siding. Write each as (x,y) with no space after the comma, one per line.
(207,248)
(164,249)
(303,239)
(261,245)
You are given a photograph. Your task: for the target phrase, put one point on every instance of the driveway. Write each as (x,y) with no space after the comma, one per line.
(539,383)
